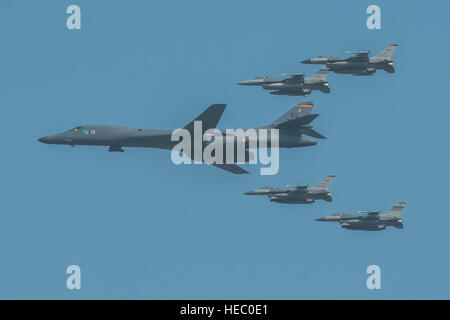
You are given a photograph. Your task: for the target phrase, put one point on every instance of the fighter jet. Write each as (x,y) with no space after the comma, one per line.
(370,220)
(297,194)
(360,64)
(294,128)
(295,85)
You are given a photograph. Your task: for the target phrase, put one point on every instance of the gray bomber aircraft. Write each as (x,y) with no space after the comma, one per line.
(360,64)
(297,194)
(295,85)
(294,128)
(370,220)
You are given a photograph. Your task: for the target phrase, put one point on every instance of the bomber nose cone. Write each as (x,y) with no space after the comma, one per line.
(44,139)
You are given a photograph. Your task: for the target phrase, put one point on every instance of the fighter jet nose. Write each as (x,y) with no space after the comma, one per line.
(306,61)
(320,219)
(44,139)
(249,193)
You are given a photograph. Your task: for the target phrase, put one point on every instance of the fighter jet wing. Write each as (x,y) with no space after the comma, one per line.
(231,168)
(298,189)
(295,123)
(371,213)
(359,56)
(301,124)
(295,187)
(297,78)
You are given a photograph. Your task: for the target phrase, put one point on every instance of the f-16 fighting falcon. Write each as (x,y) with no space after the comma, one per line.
(295,194)
(294,127)
(295,85)
(360,64)
(370,220)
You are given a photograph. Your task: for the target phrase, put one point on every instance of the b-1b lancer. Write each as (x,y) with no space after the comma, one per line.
(294,127)
(360,64)
(297,194)
(370,220)
(295,85)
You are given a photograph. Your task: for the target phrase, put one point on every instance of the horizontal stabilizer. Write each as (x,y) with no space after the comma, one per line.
(312,133)
(231,168)
(297,123)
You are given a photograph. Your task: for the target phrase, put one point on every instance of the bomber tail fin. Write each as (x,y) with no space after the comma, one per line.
(325,183)
(298,119)
(396,210)
(209,118)
(299,111)
(387,53)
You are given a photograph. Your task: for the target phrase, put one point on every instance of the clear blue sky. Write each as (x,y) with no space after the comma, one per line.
(141,227)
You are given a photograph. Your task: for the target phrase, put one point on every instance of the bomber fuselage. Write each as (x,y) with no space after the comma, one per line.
(117,137)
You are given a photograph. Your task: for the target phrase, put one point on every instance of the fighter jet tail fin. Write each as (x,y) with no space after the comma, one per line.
(325,183)
(299,111)
(387,52)
(320,75)
(396,210)
(209,118)
(298,119)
